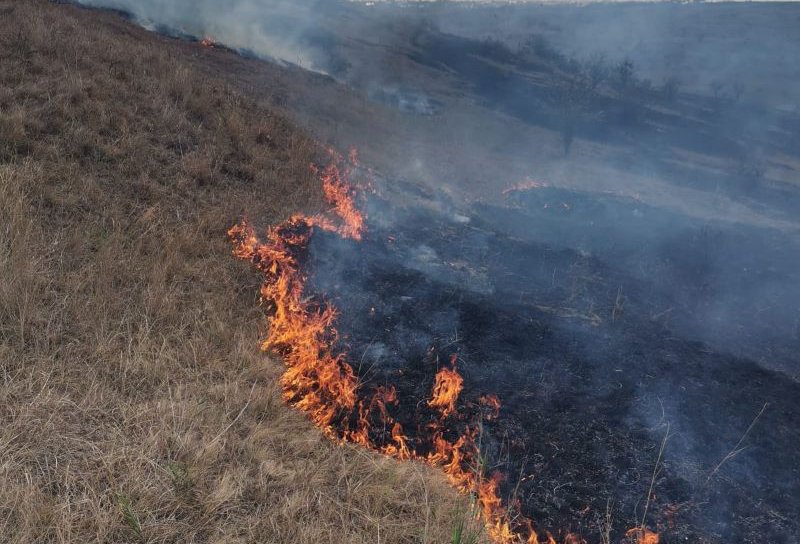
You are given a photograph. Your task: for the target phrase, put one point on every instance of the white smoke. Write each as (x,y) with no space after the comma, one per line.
(267,28)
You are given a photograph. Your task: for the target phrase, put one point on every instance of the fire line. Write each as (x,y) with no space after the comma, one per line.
(319,381)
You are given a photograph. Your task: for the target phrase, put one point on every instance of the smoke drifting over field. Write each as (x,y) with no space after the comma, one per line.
(658,291)
(700,45)
(277,29)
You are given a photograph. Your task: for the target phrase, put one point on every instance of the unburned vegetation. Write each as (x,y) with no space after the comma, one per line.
(135,404)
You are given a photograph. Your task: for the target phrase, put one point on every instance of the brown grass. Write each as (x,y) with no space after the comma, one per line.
(134,403)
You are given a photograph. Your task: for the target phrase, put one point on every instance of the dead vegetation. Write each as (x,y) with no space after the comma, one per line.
(135,404)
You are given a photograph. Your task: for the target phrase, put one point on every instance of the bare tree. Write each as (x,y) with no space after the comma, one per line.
(572,100)
(596,70)
(626,74)
(669,89)
(628,93)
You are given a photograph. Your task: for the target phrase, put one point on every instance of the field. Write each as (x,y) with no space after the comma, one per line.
(135,403)
(589,214)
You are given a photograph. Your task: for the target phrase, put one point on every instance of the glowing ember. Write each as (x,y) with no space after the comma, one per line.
(319,381)
(641,535)
(492,403)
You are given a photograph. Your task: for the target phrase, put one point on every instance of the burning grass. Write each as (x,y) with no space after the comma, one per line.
(321,383)
(319,380)
(134,404)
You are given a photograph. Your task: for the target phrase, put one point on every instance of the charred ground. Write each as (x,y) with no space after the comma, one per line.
(591,378)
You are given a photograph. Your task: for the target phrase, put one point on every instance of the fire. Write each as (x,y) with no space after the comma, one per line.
(492,403)
(319,381)
(208,42)
(641,535)
(446,389)
(339,192)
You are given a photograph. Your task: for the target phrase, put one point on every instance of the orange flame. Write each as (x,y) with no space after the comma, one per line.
(319,381)
(207,42)
(447,386)
(492,403)
(641,535)
(340,194)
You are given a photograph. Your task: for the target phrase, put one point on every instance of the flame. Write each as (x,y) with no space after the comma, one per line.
(447,386)
(208,42)
(339,192)
(524,185)
(642,535)
(492,403)
(319,381)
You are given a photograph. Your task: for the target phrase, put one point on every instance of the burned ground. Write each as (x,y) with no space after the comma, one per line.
(594,360)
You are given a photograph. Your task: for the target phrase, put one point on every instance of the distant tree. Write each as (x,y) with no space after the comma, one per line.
(572,100)
(669,89)
(596,70)
(629,97)
(626,76)
(749,171)
(540,47)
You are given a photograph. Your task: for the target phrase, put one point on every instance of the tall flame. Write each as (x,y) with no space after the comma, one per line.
(339,192)
(319,381)
(447,386)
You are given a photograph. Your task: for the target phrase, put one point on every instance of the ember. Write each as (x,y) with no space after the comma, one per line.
(640,535)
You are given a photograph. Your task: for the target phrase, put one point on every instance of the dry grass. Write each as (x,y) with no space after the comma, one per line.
(134,403)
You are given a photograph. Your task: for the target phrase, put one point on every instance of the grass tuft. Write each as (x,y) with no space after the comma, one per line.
(129,515)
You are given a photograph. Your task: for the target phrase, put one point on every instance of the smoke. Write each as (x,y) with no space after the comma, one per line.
(283,30)
(699,43)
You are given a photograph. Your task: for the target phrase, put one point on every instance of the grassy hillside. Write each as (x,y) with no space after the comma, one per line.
(135,405)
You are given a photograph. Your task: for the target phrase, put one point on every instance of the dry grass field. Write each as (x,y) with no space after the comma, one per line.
(135,405)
